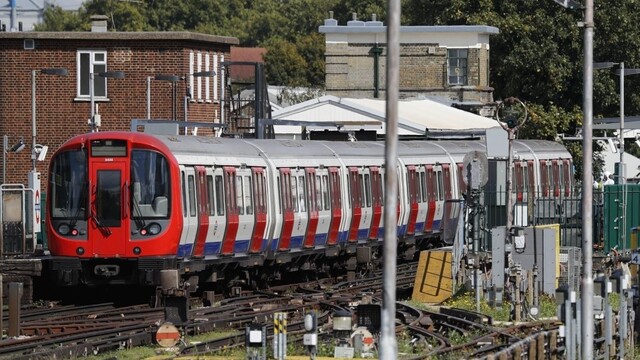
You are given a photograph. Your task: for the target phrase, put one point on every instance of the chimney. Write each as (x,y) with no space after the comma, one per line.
(99,23)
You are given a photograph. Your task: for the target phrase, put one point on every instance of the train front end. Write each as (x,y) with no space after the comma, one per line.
(112,210)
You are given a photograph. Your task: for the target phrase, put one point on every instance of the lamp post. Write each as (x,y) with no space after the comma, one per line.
(188,94)
(107,74)
(48,71)
(173,79)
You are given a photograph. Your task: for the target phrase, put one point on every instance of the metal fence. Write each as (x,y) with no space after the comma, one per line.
(616,214)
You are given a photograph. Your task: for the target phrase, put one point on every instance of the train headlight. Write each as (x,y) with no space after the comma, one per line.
(154,229)
(80,251)
(64,229)
(136,250)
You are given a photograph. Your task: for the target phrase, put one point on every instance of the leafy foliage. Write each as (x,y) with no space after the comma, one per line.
(536,57)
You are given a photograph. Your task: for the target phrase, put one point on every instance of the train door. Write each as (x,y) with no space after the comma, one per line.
(355,202)
(421,197)
(231,209)
(217,220)
(323,206)
(412,182)
(300,211)
(286,207)
(447,180)
(244,204)
(557,182)
(189,210)
(377,203)
(107,230)
(335,196)
(440,198)
(259,209)
(312,207)
(431,185)
(567,177)
(202,211)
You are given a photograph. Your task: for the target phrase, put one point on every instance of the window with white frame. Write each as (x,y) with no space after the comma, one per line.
(203,88)
(457,66)
(92,61)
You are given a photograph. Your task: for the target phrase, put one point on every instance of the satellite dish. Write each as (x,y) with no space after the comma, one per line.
(475,169)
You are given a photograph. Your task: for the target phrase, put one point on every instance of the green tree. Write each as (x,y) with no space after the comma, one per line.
(57,19)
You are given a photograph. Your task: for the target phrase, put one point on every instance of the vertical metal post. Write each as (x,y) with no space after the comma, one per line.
(259,99)
(621,174)
(33,119)
(93,109)
(5,146)
(622,331)
(148,97)
(568,327)
(608,321)
(1,308)
(587,187)
(388,342)
(15,295)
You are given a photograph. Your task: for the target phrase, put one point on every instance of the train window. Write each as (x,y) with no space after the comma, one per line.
(440,186)
(423,186)
(360,190)
(69,186)
(184,195)
(210,195)
(325,192)
(367,189)
(192,195)
(318,193)
(239,197)
(219,195)
(302,196)
(336,201)
(108,195)
(246,195)
(149,184)
(294,193)
(280,196)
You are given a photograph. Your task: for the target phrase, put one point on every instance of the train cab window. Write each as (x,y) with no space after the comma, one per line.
(149,184)
(219,195)
(69,186)
(108,195)
(191,180)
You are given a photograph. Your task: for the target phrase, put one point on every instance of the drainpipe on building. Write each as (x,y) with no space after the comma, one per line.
(376,51)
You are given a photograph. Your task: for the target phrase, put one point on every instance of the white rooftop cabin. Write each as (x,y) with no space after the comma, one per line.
(415,117)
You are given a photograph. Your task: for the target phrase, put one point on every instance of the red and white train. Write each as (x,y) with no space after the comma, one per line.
(122,206)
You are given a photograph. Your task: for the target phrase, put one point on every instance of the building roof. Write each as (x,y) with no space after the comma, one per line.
(415,117)
(121,35)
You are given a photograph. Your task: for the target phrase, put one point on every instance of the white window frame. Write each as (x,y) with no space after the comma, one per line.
(84,76)
(457,60)
(207,86)
(199,84)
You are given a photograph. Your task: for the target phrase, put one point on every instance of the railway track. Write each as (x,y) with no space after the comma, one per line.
(70,331)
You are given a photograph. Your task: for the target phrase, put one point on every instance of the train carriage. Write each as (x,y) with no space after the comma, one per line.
(123,206)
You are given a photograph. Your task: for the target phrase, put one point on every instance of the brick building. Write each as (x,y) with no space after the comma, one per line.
(450,62)
(63,103)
